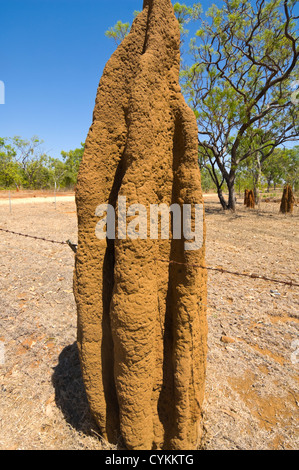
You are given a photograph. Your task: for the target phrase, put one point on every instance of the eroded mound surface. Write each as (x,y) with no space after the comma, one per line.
(141,321)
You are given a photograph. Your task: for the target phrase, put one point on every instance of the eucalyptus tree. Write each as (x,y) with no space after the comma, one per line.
(240,83)
(239,76)
(10,174)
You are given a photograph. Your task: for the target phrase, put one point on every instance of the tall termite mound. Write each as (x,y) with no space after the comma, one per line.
(142,329)
(287,200)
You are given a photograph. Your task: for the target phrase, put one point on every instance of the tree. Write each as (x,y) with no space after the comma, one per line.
(208,163)
(37,173)
(244,60)
(56,172)
(72,160)
(31,159)
(282,167)
(185,14)
(239,79)
(291,167)
(22,162)
(273,169)
(9,169)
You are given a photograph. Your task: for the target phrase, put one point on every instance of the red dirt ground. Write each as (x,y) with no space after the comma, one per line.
(252,388)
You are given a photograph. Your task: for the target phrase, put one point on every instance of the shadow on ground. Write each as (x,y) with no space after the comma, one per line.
(70,396)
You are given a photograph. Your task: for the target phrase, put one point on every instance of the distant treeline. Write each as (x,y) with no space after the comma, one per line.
(23,164)
(279,168)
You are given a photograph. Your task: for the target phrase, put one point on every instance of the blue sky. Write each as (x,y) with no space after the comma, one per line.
(52,55)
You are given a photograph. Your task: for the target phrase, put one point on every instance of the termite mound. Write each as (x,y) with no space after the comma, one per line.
(250,199)
(287,200)
(246,197)
(142,329)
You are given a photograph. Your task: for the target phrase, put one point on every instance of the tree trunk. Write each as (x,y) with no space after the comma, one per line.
(221,199)
(257,180)
(231,204)
(230,181)
(231,197)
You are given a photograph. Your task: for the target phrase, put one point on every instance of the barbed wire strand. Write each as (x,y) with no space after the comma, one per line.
(233,273)
(33,236)
(221,270)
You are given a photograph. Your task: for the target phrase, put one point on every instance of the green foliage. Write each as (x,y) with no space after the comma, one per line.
(185,14)
(56,173)
(207,180)
(9,169)
(283,167)
(30,159)
(72,161)
(23,163)
(118,32)
(238,77)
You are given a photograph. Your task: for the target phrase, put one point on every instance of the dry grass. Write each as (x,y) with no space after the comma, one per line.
(252,378)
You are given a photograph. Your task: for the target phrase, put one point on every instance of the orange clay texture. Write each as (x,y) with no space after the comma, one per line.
(246,197)
(142,329)
(287,200)
(250,199)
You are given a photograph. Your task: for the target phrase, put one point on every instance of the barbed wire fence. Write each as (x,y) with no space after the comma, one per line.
(290,283)
(37,352)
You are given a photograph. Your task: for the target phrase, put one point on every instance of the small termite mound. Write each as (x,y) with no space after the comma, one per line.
(249,199)
(287,200)
(246,197)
